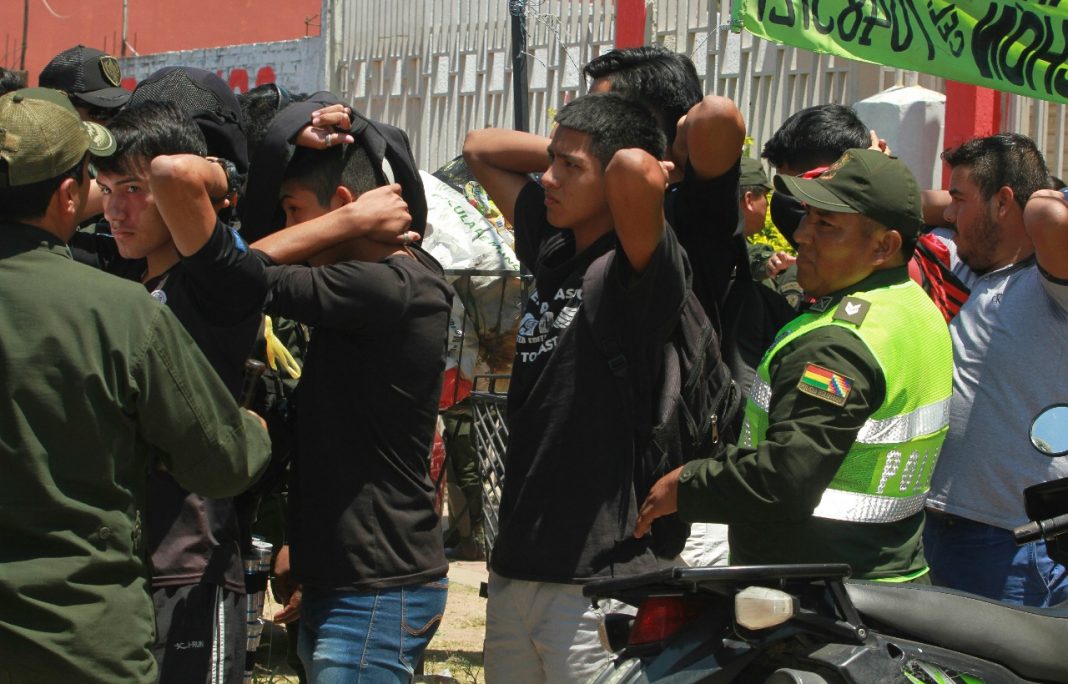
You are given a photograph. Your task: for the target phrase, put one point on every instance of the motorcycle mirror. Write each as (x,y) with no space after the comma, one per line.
(1049,430)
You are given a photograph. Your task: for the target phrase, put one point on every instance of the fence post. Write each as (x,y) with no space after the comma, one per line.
(520,86)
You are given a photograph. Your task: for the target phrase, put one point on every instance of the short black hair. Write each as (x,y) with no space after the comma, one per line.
(1003,160)
(816,136)
(665,80)
(30,201)
(322,171)
(146,130)
(11,80)
(259,107)
(613,122)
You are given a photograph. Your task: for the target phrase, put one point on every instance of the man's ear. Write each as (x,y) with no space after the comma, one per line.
(1003,201)
(67,198)
(342,196)
(747,200)
(888,246)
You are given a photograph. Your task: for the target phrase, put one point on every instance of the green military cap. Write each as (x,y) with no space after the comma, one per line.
(753,174)
(42,136)
(866,182)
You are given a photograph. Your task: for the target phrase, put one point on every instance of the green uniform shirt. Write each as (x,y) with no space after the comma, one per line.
(767,494)
(98,383)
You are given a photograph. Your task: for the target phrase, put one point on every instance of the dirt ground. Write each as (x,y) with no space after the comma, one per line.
(455,651)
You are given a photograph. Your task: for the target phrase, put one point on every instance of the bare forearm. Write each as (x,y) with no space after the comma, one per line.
(183,187)
(1046,222)
(713,136)
(500,160)
(297,244)
(934,204)
(634,186)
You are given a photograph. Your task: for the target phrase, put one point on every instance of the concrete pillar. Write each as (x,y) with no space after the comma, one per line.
(630,23)
(971,112)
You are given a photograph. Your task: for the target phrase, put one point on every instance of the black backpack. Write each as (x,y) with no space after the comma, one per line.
(692,404)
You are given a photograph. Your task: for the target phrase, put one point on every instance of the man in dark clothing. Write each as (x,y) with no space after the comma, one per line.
(91,79)
(365,541)
(100,385)
(161,198)
(569,500)
(849,407)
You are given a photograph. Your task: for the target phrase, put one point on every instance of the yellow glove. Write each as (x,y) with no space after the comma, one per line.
(277,350)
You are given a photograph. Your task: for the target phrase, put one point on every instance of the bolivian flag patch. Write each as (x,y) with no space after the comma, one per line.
(825,384)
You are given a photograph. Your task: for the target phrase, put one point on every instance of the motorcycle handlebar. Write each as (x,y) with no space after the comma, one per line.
(1046,529)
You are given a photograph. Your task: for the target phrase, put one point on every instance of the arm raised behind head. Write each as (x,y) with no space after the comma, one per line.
(711,136)
(500,160)
(1046,223)
(188,191)
(634,185)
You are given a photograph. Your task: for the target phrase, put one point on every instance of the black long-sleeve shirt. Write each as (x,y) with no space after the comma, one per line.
(361,501)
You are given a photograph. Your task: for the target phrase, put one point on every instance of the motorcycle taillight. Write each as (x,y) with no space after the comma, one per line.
(660,617)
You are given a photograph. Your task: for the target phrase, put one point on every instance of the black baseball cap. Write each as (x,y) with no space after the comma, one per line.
(209,101)
(863,181)
(88,77)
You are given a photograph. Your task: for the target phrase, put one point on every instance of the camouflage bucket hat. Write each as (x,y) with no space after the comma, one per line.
(42,136)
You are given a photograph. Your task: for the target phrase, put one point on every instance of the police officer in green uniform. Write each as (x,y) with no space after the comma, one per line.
(772,269)
(99,383)
(849,408)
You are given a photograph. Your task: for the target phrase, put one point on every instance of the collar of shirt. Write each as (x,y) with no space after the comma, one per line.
(880,278)
(23,234)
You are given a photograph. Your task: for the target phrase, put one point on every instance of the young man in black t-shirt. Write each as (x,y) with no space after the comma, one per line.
(568,500)
(365,543)
(161,197)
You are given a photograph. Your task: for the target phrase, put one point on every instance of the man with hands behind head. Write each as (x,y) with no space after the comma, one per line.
(162,197)
(364,568)
(569,504)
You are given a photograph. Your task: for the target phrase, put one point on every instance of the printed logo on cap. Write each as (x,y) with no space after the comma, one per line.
(109,67)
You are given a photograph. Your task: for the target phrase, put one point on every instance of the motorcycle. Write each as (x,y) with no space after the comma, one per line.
(810,624)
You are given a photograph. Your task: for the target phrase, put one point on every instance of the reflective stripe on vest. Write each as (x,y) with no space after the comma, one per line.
(903,428)
(885,475)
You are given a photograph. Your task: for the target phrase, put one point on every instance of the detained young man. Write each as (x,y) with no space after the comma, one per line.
(569,501)
(161,197)
(366,561)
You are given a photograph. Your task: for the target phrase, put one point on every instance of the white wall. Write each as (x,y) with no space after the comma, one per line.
(296,64)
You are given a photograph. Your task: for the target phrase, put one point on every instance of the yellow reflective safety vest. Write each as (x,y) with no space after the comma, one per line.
(887,472)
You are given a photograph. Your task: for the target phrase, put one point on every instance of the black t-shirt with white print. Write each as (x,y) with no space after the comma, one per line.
(568,508)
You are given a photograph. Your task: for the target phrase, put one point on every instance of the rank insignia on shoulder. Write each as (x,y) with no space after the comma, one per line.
(820,305)
(852,310)
(825,384)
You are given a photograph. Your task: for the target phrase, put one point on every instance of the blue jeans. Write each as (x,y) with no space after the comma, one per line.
(371,637)
(984,560)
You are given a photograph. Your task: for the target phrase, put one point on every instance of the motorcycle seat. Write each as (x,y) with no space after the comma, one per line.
(1028,641)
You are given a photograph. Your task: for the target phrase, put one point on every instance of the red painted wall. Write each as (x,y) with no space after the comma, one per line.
(153,26)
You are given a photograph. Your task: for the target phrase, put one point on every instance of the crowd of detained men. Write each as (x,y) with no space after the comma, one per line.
(153,242)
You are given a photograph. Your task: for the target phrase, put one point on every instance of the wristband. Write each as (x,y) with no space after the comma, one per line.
(230,169)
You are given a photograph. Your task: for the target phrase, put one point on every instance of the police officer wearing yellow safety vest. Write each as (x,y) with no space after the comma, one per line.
(850,405)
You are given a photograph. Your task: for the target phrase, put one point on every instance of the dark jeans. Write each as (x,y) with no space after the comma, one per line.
(984,560)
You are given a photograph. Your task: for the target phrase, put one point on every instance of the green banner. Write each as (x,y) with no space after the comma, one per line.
(1019,47)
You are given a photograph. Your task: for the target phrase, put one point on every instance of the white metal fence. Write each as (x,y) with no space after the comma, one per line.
(439,68)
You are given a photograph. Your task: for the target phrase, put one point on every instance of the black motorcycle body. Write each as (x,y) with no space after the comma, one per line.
(839,631)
